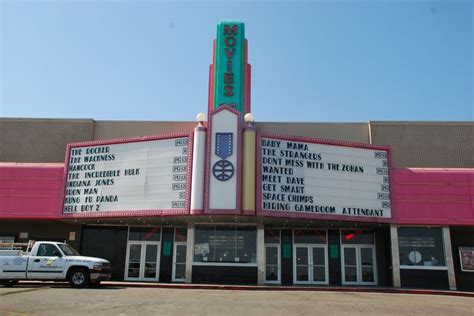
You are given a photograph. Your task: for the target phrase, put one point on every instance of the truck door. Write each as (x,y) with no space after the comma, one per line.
(47,264)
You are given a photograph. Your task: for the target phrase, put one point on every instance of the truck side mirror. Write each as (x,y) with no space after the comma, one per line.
(56,253)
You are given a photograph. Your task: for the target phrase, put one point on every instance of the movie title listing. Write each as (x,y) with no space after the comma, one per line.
(327,179)
(143,175)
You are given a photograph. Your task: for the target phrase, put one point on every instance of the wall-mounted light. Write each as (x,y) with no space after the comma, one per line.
(249,119)
(201,117)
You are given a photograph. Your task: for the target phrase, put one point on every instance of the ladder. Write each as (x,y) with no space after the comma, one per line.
(17,245)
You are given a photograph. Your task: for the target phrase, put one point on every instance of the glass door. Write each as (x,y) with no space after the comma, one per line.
(142,262)
(349,271)
(179,262)
(150,258)
(319,273)
(302,265)
(358,265)
(272,263)
(310,264)
(367,264)
(134,261)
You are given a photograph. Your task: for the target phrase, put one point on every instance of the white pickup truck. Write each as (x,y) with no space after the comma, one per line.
(49,260)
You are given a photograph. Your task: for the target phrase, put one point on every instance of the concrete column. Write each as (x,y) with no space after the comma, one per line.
(395,255)
(261,254)
(197,181)
(189,253)
(448,254)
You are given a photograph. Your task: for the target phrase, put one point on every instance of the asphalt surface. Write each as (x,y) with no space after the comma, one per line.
(47,300)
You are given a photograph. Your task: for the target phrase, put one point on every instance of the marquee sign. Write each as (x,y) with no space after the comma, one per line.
(300,175)
(137,175)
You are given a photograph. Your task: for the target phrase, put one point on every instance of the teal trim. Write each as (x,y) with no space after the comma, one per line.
(230,65)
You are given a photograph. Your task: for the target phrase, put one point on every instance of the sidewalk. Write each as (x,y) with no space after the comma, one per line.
(259,287)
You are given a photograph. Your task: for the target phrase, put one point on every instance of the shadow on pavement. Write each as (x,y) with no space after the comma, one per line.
(63,286)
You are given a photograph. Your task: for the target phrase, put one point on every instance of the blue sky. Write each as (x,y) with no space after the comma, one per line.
(348,61)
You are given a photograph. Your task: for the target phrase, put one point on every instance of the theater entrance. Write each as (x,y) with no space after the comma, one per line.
(310,263)
(143,254)
(358,258)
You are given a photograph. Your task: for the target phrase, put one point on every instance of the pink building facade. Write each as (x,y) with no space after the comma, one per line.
(231,200)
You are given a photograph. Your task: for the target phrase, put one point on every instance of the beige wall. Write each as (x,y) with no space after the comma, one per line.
(414,144)
(427,144)
(352,132)
(40,140)
(119,129)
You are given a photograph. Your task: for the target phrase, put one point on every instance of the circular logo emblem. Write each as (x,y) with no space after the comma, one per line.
(414,256)
(223,170)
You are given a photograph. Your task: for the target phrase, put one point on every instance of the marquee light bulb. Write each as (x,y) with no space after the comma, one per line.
(201,117)
(249,117)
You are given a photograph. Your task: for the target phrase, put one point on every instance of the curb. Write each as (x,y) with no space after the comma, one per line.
(261,288)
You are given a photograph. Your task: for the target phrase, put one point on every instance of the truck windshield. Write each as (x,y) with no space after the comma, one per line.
(68,250)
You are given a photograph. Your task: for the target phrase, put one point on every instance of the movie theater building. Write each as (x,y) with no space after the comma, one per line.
(230,199)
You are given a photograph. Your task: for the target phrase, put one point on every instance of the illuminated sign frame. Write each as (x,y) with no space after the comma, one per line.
(131,213)
(310,215)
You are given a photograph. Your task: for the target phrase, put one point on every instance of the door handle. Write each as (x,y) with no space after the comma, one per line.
(36,260)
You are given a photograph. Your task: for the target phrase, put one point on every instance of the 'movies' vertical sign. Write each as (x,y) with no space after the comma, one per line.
(229,63)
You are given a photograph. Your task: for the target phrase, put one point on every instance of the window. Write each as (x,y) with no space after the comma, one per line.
(421,247)
(68,250)
(47,250)
(145,233)
(225,244)
(309,236)
(272,236)
(180,234)
(357,236)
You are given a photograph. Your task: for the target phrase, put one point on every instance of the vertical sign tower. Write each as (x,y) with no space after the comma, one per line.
(229,100)
(229,75)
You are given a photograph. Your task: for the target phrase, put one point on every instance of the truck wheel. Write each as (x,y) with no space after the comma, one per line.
(79,278)
(9,283)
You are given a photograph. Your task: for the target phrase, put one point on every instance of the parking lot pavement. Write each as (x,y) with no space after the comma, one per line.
(46,300)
